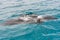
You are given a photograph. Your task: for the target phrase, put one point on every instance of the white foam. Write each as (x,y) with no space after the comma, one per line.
(40,16)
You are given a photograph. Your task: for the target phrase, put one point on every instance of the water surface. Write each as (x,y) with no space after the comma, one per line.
(49,30)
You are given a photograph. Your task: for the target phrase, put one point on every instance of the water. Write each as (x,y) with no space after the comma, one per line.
(49,30)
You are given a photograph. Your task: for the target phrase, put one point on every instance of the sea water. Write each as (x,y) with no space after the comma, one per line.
(12,9)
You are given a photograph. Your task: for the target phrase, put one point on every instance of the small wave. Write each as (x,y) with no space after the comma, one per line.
(49,27)
(52,34)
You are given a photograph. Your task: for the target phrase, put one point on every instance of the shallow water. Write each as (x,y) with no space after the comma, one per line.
(49,30)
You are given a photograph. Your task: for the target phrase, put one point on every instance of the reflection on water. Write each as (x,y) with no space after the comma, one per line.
(49,30)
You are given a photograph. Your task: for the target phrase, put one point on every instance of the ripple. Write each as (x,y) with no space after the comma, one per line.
(52,34)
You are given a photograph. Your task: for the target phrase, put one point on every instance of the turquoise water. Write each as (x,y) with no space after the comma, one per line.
(11,9)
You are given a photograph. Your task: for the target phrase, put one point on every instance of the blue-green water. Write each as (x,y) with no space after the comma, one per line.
(49,30)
